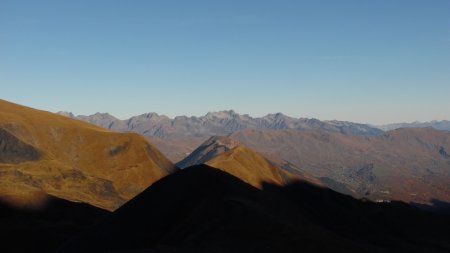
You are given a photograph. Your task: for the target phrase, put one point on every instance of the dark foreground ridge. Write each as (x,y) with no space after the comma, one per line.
(44,228)
(201,209)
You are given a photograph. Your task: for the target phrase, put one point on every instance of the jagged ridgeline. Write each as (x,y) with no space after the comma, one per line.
(176,137)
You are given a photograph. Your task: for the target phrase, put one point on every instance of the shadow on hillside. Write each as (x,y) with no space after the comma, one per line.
(46,228)
(436,206)
(201,209)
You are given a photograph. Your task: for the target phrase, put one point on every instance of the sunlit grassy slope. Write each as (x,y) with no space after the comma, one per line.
(71,159)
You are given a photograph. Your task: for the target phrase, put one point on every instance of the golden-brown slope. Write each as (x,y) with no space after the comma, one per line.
(74,160)
(229,155)
(210,148)
(250,167)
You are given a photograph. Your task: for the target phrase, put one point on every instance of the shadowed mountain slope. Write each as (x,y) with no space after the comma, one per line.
(404,164)
(73,160)
(45,227)
(202,209)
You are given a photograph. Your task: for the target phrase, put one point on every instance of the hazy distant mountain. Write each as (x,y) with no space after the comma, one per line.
(67,114)
(409,164)
(220,123)
(45,153)
(440,125)
(179,136)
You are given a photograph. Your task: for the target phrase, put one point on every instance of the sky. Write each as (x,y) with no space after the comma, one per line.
(365,61)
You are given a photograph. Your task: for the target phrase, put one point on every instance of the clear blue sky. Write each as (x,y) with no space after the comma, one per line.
(364,61)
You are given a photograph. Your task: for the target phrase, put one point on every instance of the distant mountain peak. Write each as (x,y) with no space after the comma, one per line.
(67,114)
(275,115)
(222,114)
(103,115)
(152,114)
(224,141)
(149,116)
(440,125)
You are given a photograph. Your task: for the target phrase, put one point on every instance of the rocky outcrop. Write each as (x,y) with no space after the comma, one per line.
(13,150)
(443,152)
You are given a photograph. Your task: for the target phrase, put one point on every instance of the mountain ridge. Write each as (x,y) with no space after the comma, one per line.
(437,124)
(177,137)
(410,164)
(270,121)
(235,158)
(72,159)
(213,211)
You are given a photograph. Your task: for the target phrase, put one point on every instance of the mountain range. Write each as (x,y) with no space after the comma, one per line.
(70,186)
(218,123)
(440,125)
(179,136)
(351,158)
